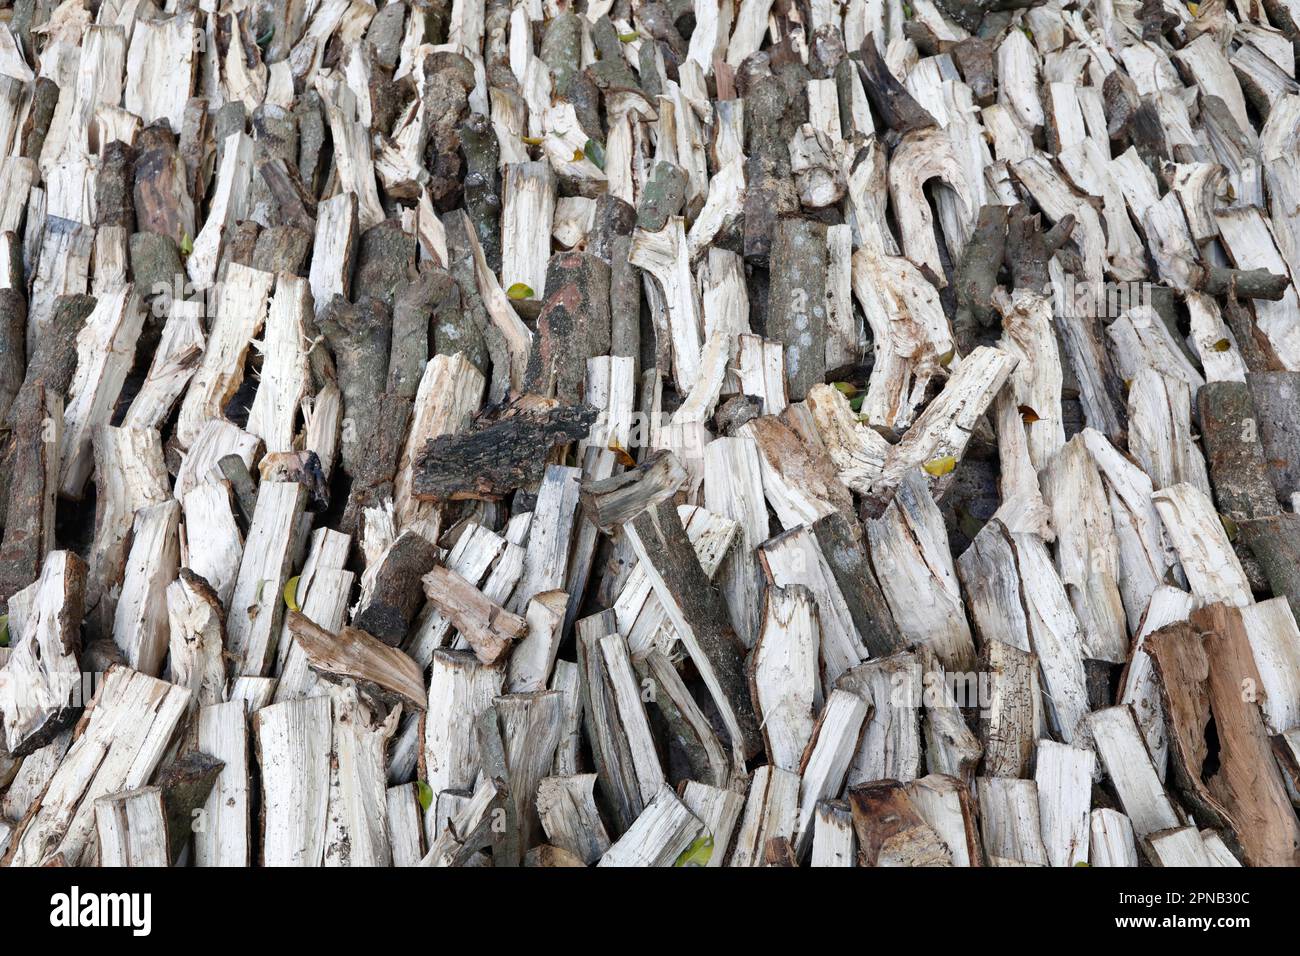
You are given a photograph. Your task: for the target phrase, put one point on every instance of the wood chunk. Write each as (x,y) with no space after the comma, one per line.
(783,674)
(567,809)
(257,602)
(1202,667)
(132,828)
(129,727)
(771,813)
(497,454)
(381,672)
(40,685)
(488,626)
(891,831)
(1064,779)
(663,831)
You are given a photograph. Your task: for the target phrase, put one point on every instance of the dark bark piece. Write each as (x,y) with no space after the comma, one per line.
(701,619)
(412,309)
(503,449)
(186,784)
(977,274)
(283,249)
(889,99)
(395,592)
(275,139)
(163,203)
(1256,350)
(385,258)
(1276,397)
(382,673)
(449,77)
(374,419)
(156,265)
(974,58)
(844,547)
(13,347)
(312,135)
(1248,283)
(614,218)
(45,99)
(483,184)
(114,200)
(33,470)
(771,117)
(663,197)
(610,502)
(1274,541)
(1029,248)
(449,316)
(293,205)
(1230,433)
(574,326)
(236,472)
(797,301)
(54,355)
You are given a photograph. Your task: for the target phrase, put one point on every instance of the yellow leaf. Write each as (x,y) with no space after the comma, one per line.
(520,290)
(1194,8)
(698,853)
(621,455)
(848,388)
(578,156)
(4,630)
(629,37)
(1229,527)
(291,593)
(532,140)
(939,467)
(1222,345)
(946,358)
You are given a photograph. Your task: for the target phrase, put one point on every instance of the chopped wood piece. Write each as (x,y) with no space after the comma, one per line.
(499,453)
(488,626)
(381,672)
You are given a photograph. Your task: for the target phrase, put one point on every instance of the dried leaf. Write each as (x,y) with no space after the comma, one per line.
(1027,414)
(1222,345)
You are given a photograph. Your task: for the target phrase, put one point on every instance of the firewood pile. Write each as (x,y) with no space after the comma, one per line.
(649,433)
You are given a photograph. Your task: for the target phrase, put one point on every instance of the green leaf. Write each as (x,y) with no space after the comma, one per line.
(291,593)
(187,244)
(595,152)
(426,794)
(1083,863)
(265,38)
(630,37)
(848,389)
(4,630)
(520,290)
(698,853)
(855,402)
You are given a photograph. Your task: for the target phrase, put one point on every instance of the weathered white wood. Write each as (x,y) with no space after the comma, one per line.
(1126,761)
(831,751)
(909,548)
(140,622)
(293,750)
(1111,839)
(1064,778)
(222,837)
(105,352)
(128,730)
(40,683)
(132,828)
(889,747)
(1009,821)
(784,674)
(1201,541)
(567,807)
(663,831)
(405,831)
(771,812)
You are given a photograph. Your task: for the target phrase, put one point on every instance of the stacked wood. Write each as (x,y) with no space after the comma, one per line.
(614,433)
